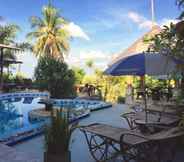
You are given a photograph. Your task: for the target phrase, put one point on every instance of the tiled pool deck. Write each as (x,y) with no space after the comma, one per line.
(8,154)
(79,148)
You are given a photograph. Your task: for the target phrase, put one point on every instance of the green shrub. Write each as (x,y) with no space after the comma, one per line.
(121,99)
(54,76)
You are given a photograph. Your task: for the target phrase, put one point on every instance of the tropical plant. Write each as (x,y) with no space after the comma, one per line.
(8,33)
(58,135)
(54,76)
(7,36)
(79,74)
(121,100)
(165,42)
(109,88)
(49,33)
(89,63)
(170,41)
(180,4)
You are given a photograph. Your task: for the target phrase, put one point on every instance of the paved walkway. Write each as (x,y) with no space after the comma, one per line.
(79,146)
(80,152)
(8,154)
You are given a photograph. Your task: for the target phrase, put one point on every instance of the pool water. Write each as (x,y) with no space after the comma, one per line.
(14,116)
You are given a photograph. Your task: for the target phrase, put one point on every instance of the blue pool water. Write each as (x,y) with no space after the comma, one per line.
(14,116)
(14,112)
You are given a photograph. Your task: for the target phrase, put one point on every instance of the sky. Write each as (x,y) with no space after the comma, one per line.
(100,28)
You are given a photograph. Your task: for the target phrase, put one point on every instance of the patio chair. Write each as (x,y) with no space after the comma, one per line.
(130,117)
(106,142)
(155,121)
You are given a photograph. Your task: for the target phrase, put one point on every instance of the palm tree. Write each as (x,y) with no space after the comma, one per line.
(90,64)
(8,33)
(7,37)
(49,34)
(180,4)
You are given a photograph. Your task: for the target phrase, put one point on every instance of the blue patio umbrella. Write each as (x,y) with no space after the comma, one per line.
(143,63)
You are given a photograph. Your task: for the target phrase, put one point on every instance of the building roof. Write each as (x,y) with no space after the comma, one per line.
(138,46)
(11,61)
(9,47)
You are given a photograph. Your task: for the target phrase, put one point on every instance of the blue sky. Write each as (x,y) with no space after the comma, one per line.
(100,28)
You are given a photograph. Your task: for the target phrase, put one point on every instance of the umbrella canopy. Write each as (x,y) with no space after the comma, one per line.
(143,63)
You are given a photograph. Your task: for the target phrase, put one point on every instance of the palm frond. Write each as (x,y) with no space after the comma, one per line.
(36,22)
(51,38)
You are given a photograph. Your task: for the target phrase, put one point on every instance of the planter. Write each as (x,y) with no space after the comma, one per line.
(57,158)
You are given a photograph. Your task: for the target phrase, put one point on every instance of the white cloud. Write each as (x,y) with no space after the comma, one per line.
(135,17)
(145,23)
(99,58)
(93,55)
(101,65)
(73,60)
(29,63)
(140,20)
(76,31)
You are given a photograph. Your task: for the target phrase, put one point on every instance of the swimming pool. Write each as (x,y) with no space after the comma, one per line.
(14,117)
(92,105)
(16,125)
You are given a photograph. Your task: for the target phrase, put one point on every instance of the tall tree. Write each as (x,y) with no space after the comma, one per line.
(170,41)
(8,33)
(166,42)
(7,37)
(89,63)
(79,74)
(180,4)
(49,33)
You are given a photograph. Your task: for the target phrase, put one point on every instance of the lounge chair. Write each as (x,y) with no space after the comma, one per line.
(107,142)
(155,121)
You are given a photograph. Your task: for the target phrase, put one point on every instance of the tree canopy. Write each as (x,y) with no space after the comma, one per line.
(55,76)
(49,33)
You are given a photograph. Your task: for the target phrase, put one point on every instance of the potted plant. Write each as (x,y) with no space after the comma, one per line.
(57,137)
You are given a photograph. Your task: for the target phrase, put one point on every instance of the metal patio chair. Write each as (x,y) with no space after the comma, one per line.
(107,143)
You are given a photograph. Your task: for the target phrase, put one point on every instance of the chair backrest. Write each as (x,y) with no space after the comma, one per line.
(133,138)
(168,134)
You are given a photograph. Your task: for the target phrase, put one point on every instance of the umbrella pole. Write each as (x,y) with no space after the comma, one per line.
(143,80)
